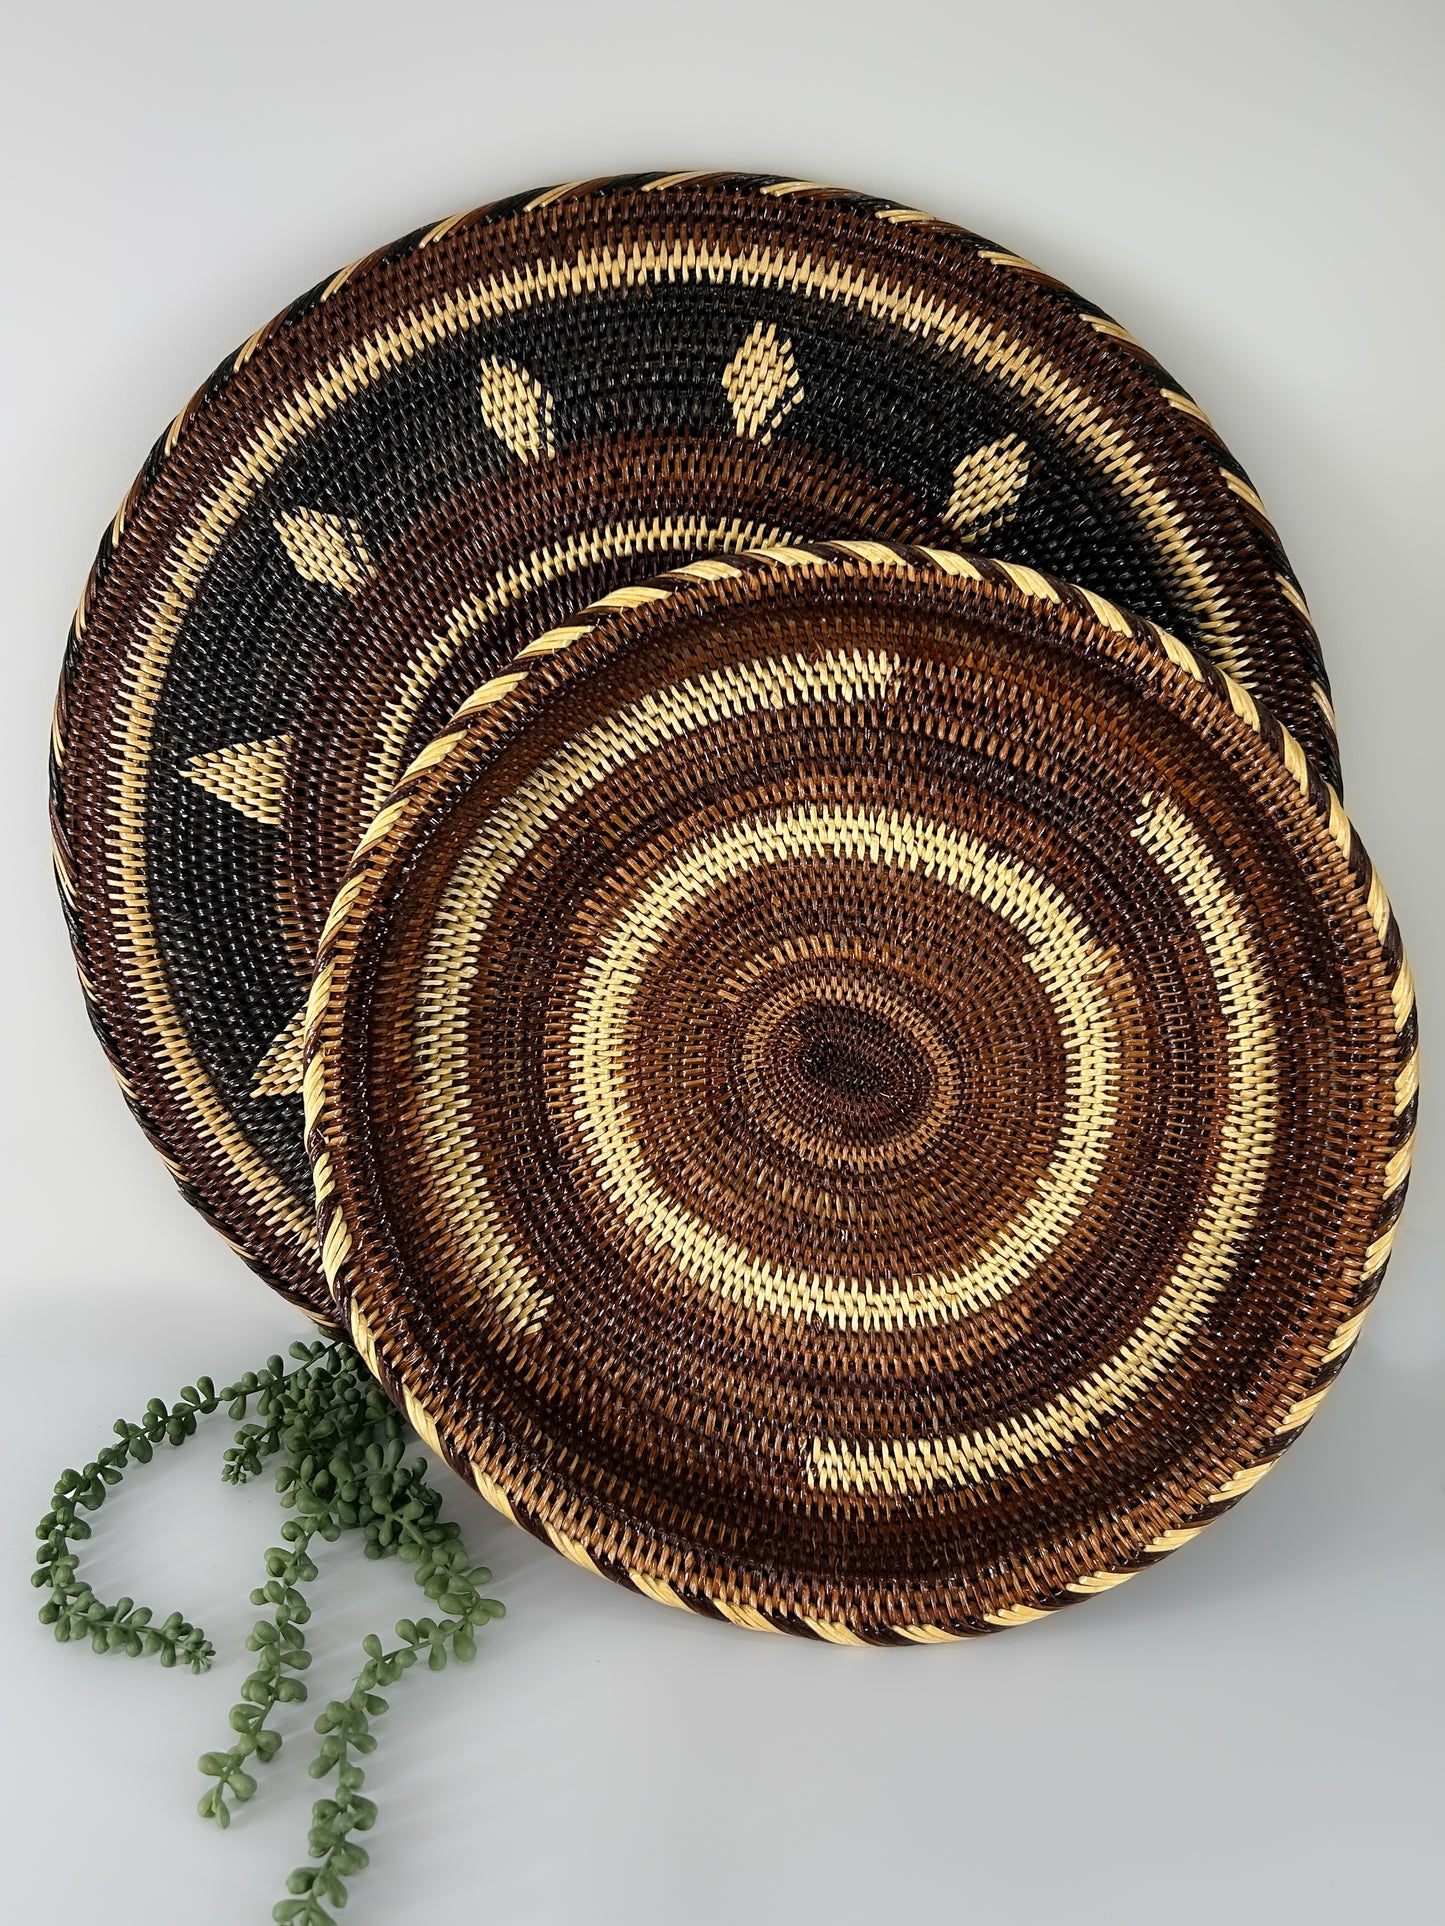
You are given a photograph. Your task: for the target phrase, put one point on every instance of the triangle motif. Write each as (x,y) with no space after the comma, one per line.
(280,1071)
(250,776)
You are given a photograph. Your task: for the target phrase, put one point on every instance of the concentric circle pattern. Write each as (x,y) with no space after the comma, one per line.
(860,1091)
(444,449)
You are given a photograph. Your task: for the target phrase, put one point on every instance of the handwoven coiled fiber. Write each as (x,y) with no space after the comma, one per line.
(444,448)
(860,1090)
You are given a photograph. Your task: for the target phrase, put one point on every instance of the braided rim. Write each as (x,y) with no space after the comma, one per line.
(428,775)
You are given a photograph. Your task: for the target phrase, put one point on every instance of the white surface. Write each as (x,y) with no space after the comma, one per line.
(1252,1731)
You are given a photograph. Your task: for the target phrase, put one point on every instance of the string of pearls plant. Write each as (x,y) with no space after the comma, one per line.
(342,1450)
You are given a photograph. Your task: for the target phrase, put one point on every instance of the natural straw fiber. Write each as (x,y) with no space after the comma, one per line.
(443,448)
(860,1091)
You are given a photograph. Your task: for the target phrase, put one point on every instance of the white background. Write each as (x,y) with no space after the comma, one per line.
(1250,1733)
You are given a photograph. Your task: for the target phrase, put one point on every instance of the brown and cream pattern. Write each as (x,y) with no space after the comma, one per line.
(443,448)
(859,1090)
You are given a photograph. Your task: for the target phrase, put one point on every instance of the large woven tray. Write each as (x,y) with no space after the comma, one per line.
(441,449)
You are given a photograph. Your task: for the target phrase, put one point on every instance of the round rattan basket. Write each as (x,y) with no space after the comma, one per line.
(440,450)
(860,1091)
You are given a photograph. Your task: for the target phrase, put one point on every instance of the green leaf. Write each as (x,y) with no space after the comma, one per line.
(330,1886)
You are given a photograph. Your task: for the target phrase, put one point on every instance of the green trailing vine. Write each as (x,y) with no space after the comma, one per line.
(301,1413)
(345,1727)
(342,1451)
(72,1607)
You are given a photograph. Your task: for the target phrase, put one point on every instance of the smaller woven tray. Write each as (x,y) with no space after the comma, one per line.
(860,1091)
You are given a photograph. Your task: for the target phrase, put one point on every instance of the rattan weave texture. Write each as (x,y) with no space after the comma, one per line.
(860,1091)
(443,448)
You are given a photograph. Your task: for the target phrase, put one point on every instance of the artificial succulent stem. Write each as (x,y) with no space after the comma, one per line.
(72,1607)
(400,1515)
(342,1448)
(303,1412)
(345,1728)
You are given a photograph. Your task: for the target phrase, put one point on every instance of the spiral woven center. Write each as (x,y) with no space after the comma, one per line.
(842,1067)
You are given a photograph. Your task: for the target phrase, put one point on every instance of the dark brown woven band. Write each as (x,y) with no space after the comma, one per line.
(445,447)
(860,1091)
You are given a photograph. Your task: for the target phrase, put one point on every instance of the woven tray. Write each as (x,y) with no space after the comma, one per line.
(860,1091)
(443,448)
